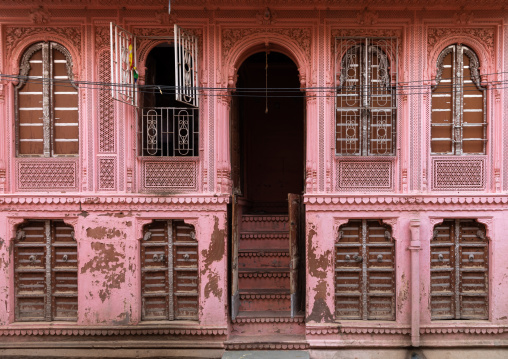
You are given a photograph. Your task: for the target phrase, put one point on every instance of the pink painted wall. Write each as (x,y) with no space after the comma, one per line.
(108,205)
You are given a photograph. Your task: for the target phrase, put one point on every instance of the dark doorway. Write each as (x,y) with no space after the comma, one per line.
(268,136)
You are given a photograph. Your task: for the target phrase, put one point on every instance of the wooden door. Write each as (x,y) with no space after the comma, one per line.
(235,235)
(296,226)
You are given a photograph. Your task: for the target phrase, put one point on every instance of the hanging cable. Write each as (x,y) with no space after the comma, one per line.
(266,81)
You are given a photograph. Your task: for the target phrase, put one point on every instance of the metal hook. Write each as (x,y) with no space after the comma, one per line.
(348,257)
(147,236)
(32,259)
(186,256)
(65,258)
(471,257)
(380,258)
(440,257)
(357,258)
(193,235)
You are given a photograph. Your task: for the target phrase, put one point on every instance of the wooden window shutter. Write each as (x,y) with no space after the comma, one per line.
(459,270)
(47,103)
(365,271)
(458,124)
(45,262)
(169,271)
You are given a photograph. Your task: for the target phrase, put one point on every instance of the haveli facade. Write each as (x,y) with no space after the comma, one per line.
(314,175)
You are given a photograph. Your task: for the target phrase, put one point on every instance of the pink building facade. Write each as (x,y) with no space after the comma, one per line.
(137,216)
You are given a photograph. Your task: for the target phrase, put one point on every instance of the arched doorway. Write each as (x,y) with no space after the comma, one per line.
(267,155)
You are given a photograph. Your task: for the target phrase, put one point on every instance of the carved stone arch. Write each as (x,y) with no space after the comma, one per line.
(64,45)
(261,42)
(482,52)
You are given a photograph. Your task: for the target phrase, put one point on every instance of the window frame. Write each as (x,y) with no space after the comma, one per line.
(347,256)
(456,292)
(171,256)
(51,265)
(48,94)
(388,47)
(458,52)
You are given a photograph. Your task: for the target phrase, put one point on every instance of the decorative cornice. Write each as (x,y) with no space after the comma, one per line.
(357,330)
(120,200)
(483,35)
(266,346)
(14,35)
(464,329)
(403,200)
(109,331)
(299,320)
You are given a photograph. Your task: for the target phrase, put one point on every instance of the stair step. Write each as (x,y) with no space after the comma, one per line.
(264,234)
(263,252)
(264,342)
(266,354)
(263,272)
(264,223)
(249,281)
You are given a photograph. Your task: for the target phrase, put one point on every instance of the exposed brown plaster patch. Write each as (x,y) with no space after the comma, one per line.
(212,286)
(318,265)
(109,263)
(320,311)
(128,223)
(103,232)
(215,251)
(84,214)
(123,319)
(403,293)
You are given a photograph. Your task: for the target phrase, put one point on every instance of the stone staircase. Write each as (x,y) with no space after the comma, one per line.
(264,277)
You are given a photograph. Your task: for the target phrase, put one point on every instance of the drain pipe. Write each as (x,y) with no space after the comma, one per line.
(415,282)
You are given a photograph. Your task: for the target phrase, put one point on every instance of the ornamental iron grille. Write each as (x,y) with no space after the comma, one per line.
(169,271)
(365,271)
(186,70)
(46,100)
(459,270)
(123,65)
(366,102)
(459,124)
(45,271)
(169,131)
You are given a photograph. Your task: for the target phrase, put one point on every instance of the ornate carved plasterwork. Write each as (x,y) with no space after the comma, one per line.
(40,15)
(463,17)
(230,37)
(483,36)
(367,17)
(266,17)
(14,35)
(102,37)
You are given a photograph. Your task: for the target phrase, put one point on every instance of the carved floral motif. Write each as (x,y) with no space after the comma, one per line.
(16,34)
(482,35)
(367,17)
(102,36)
(40,15)
(231,36)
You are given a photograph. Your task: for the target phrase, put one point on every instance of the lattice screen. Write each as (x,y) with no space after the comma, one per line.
(456,174)
(107,174)
(46,175)
(106,108)
(370,175)
(170,175)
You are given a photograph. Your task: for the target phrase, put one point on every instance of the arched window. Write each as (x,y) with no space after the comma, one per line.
(458,104)
(45,272)
(169,271)
(459,270)
(169,126)
(365,271)
(47,113)
(366,97)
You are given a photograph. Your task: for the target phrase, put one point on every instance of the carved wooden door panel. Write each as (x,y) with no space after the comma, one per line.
(235,236)
(296,228)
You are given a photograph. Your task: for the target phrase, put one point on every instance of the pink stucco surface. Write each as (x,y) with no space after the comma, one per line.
(109,206)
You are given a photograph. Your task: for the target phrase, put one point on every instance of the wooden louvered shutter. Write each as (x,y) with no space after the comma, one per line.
(30,108)
(155,274)
(185,270)
(64,280)
(365,271)
(64,105)
(45,261)
(473,107)
(348,272)
(380,260)
(459,271)
(442,109)
(458,104)
(30,271)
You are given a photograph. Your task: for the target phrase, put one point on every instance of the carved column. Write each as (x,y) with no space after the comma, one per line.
(414,247)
